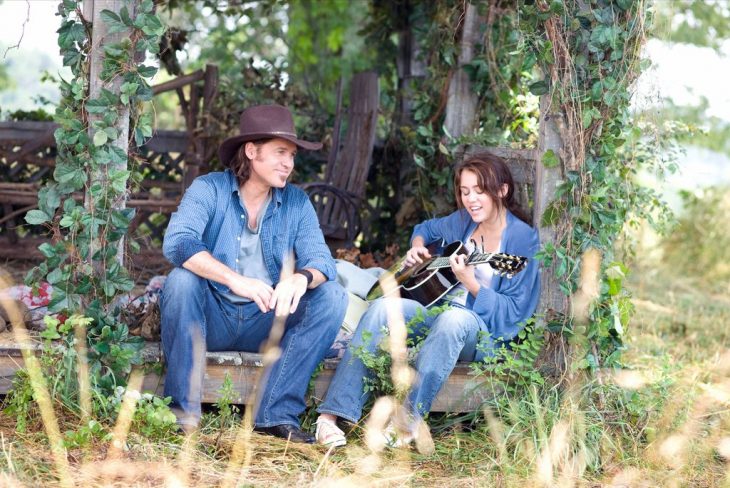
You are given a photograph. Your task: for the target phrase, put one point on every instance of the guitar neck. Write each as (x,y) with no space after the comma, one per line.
(477,258)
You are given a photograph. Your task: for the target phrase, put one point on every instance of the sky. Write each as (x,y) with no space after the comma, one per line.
(680,72)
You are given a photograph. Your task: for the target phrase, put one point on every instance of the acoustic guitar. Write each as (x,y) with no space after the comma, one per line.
(429,281)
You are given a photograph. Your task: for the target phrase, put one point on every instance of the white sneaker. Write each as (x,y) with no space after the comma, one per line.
(394,438)
(328,434)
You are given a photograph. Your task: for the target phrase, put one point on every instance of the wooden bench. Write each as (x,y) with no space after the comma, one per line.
(460,394)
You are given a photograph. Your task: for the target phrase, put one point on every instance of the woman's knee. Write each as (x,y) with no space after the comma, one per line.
(455,322)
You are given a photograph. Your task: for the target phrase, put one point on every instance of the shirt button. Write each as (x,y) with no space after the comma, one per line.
(242,216)
(238,238)
(236,260)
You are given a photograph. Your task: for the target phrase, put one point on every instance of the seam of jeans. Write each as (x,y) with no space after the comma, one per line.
(285,357)
(272,424)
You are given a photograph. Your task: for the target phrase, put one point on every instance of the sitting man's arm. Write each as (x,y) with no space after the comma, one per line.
(206,266)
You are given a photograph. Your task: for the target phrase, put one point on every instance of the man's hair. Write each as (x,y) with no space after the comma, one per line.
(241,164)
(492,173)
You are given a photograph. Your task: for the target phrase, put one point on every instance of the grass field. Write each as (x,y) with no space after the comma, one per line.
(663,421)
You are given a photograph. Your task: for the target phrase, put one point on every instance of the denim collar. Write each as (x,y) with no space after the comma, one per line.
(277,194)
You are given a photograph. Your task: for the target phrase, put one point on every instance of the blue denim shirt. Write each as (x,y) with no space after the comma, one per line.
(210,217)
(508,302)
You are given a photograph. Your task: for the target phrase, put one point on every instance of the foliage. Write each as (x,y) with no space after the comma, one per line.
(514,365)
(379,361)
(698,244)
(412,179)
(83,262)
(705,23)
(590,55)
(309,46)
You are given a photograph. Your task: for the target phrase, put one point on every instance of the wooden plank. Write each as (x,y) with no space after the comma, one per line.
(552,299)
(459,394)
(521,161)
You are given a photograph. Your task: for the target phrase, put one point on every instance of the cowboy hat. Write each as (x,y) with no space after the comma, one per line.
(263,122)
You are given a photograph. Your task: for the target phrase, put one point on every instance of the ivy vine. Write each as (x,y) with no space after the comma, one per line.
(590,55)
(83,206)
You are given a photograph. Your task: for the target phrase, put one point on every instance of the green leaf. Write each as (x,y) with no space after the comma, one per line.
(146,6)
(100,138)
(114,50)
(113,22)
(37,217)
(69,33)
(69,175)
(153,26)
(419,161)
(55,276)
(49,199)
(124,15)
(587,118)
(550,159)
(97,106)
(117,155)
(552,213)
(539,88)
(147,71)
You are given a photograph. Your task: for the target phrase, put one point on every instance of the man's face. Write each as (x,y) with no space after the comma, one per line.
(271,162)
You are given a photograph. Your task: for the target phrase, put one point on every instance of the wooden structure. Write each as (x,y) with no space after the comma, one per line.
(245,369)
(175,159)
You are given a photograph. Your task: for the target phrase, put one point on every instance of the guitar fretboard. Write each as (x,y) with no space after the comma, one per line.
(498,261)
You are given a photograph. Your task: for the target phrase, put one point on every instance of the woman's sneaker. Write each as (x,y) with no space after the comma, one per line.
(328,434)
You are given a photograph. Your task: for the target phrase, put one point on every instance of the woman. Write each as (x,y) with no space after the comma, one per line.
(486,310)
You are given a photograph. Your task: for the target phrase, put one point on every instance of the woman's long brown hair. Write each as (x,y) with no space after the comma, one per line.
(492,173)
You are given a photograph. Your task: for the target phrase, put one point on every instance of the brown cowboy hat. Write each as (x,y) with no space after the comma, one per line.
(263,122)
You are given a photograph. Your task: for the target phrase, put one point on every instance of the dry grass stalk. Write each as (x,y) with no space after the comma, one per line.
(40,389)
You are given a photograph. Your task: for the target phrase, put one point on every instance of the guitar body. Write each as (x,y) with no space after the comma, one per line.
(420,283)
(433,279)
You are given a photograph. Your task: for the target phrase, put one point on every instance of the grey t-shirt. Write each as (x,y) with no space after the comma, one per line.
(250,261)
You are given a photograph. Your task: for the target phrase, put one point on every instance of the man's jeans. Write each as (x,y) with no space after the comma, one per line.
(452,335)
(196,319)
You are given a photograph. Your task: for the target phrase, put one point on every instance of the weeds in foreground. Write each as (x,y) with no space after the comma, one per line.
(663,420)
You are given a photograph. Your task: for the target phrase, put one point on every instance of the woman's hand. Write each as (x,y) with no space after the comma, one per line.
(416,255)
(464,272)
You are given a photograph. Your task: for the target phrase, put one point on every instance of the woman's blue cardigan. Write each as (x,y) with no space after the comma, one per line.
(508,302)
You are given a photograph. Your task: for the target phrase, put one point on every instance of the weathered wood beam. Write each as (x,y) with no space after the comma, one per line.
(100,36)
(179,82)
(461,103)
(552,299)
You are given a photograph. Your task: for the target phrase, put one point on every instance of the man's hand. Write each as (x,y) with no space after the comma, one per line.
(464,273)
(287,294)
(416,254)
(253,289)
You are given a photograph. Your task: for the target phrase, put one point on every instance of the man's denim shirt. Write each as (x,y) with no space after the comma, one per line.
(210,217)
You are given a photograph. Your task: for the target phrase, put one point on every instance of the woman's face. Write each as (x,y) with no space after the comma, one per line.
(477,202)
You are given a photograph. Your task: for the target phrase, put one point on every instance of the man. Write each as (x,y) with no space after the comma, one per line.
(229,240)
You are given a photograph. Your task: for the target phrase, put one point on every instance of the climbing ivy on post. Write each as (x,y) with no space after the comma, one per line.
(589,53)
(83,206)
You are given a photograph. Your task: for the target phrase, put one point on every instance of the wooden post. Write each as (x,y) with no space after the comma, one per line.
(461,104)
(552,300)
(100,35)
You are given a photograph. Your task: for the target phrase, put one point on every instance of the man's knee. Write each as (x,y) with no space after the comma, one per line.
(332,296)
(181,282)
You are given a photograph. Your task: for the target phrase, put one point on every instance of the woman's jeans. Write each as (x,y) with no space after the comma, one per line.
(195,319)
(452,335)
